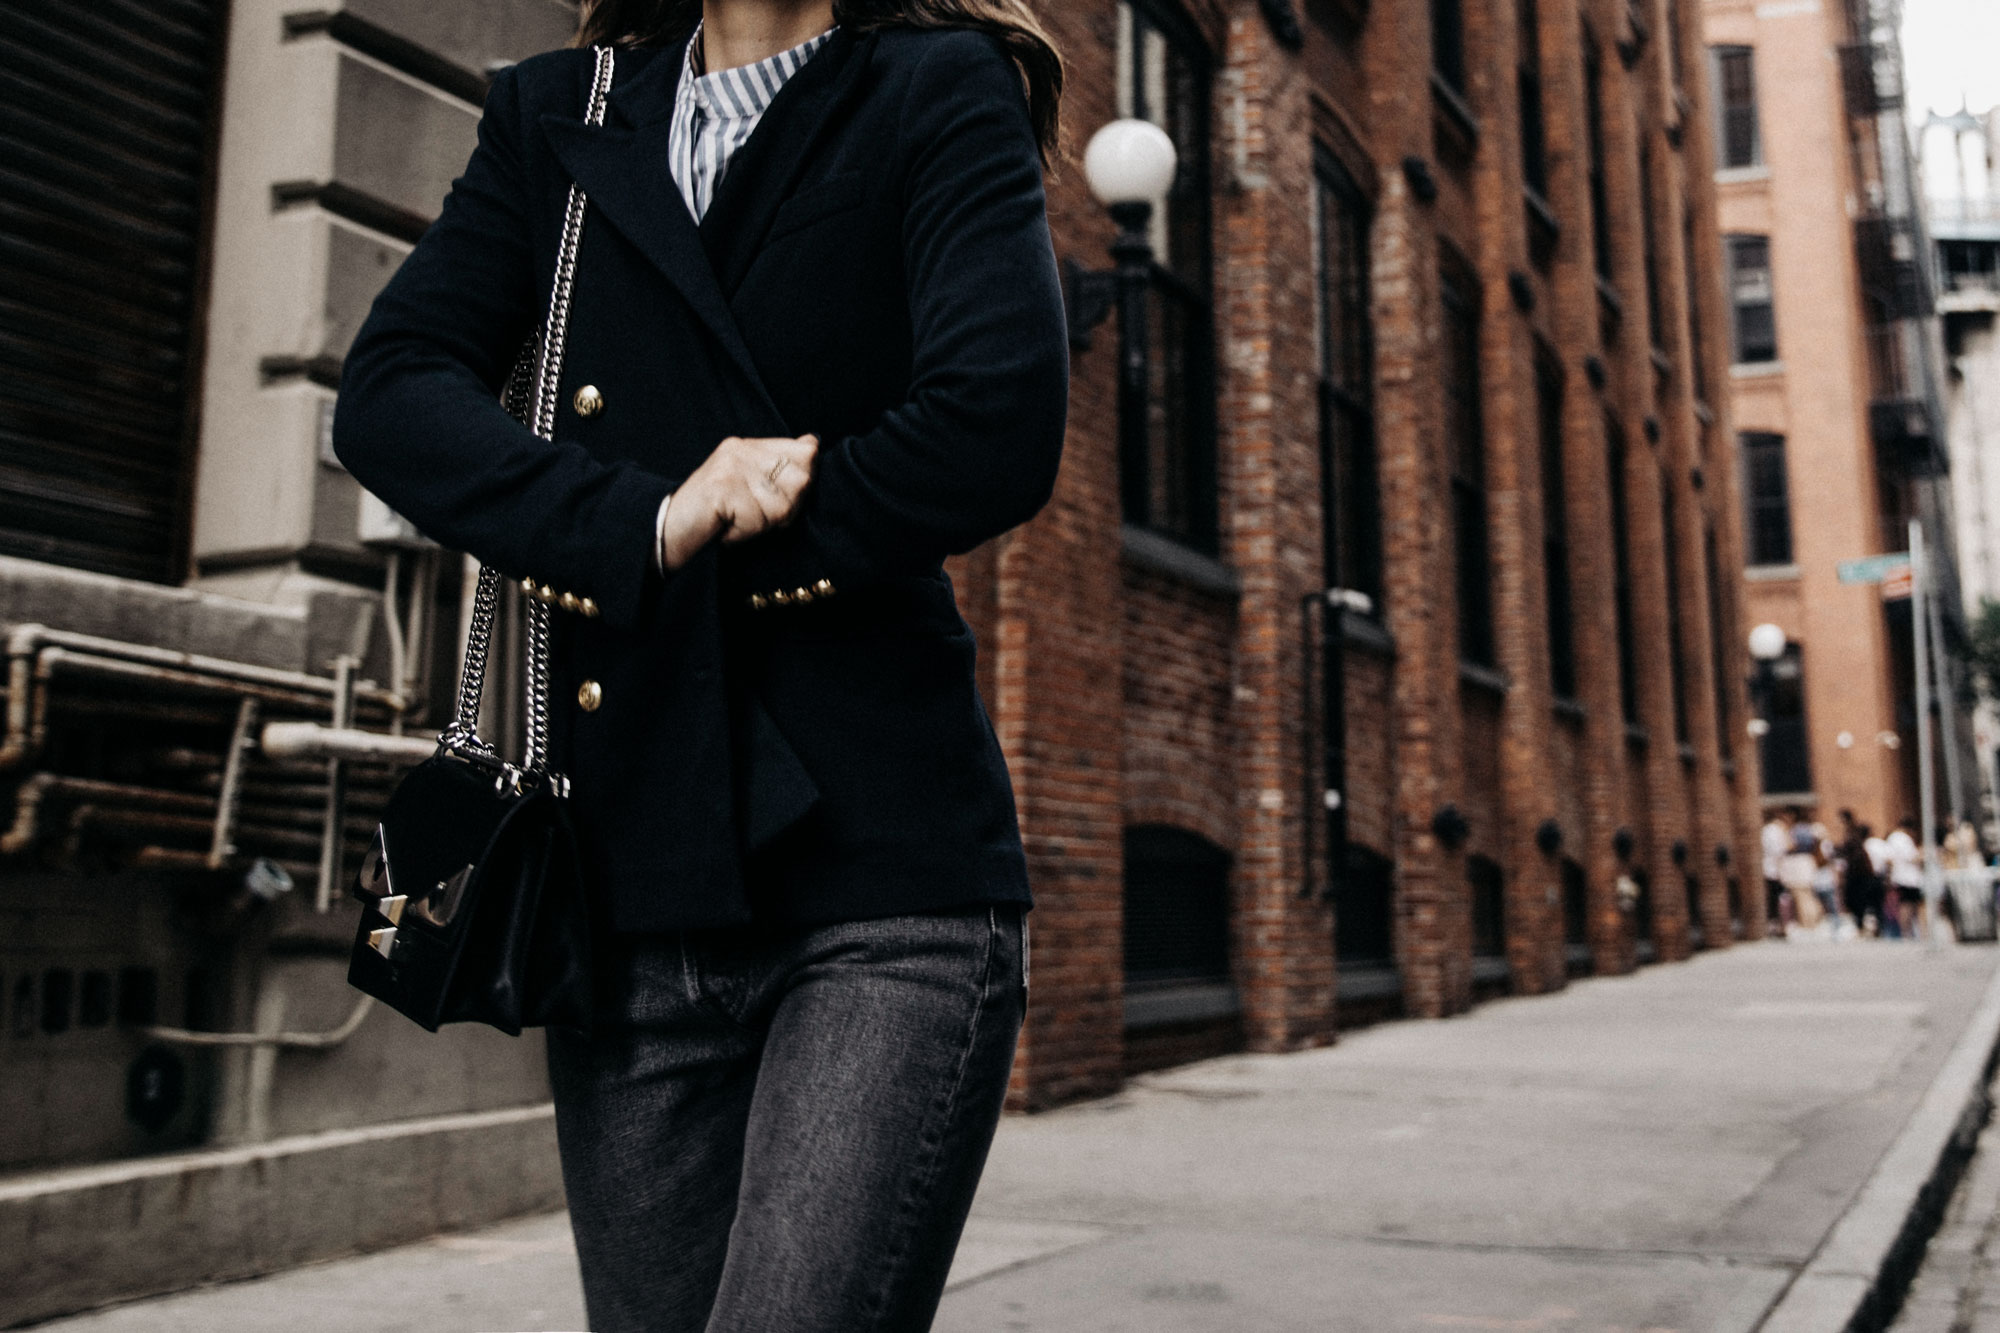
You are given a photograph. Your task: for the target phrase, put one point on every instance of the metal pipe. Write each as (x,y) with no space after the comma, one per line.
(336,786)
(1920,596)
(223,844)
(310,740)
(28,801)
(321,686)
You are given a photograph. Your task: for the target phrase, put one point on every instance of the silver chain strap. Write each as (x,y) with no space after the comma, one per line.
(530,398)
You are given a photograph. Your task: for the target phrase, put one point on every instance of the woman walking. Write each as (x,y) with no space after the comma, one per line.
(815,345)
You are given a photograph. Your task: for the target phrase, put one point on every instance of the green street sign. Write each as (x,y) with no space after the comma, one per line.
(1873,568)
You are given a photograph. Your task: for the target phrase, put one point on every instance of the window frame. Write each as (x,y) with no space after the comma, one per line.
(1733,245)
(1532,108)
(1559,585)
(1448,53)
(1603,254)
(1465,443)
(1617,451)
(1766,504)
(1350,476)
(1720,58)
(1175,492)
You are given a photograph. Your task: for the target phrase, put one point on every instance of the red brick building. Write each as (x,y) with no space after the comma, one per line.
(1437,317)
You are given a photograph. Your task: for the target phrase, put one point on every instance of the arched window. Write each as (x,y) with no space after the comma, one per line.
(1176,906)
(1364,908)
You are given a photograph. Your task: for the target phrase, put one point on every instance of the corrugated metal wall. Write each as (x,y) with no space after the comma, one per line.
(105,114)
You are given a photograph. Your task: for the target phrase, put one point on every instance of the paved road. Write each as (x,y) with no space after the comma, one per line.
(1650,1153)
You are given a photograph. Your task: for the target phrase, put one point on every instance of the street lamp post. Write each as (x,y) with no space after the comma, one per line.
(1767,645)
(1129,165)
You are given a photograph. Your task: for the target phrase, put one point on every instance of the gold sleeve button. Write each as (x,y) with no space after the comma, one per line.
(589,696)
(569,601)
(781,597)
(588,402)
(545,593)
(758,601)
(588,607)
(824,587)
(802,596)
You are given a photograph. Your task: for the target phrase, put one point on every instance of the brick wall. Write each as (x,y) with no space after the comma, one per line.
(1125,694)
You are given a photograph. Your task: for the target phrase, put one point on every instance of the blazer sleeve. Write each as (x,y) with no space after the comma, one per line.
(419,421)
(974,450)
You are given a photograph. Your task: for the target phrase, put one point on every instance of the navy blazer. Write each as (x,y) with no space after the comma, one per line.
(786,730)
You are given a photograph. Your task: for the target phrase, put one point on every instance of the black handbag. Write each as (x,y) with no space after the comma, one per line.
(473,908)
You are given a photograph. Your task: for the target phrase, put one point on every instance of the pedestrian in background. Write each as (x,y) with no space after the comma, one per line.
(1799,872)
(816,346)
(1859,884)
(1775,841)
(1906,877)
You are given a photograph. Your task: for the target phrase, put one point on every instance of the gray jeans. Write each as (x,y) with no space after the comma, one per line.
(781,1131)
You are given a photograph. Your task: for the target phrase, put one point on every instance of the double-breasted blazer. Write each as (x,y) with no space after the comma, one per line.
(784,730)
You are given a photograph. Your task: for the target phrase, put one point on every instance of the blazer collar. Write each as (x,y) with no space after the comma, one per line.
(766,169)
(623,168)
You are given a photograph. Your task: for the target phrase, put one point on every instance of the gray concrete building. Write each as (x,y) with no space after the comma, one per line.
(1961,169)
(198,200)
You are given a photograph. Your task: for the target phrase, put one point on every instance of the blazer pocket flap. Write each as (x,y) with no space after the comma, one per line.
(836,194)
(781,792)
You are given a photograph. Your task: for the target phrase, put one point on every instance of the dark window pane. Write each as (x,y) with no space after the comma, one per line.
(1555,528)
(1751,299)
(1767,498)
(93,1006)
(138,996)
(1782,751)
(1725,721)
(1736,107)
(1676,650)
(1489,911)
(1448,42)
(1350,495)
(1600,193)
(1364,907)
(1621,557)
(1464,439)
(58,995)
(1576,903)
(1697,346)
(1176,906)
(1171,488)
(1528,83)
(1649,238)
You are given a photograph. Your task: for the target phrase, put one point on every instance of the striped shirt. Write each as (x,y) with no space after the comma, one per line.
(714,115)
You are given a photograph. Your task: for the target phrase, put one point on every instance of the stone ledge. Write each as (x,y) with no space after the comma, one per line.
(74,1239)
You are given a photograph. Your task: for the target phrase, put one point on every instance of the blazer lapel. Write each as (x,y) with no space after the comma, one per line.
(624,171)
(765,170)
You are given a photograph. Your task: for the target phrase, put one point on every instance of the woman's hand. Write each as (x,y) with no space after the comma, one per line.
(745,487)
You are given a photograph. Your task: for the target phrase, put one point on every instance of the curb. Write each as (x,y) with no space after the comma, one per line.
(1856,1279)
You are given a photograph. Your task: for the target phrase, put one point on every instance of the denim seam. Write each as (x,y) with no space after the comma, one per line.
(701,999)
(940,1118)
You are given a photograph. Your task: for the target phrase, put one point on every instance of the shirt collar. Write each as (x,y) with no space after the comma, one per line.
(744,92)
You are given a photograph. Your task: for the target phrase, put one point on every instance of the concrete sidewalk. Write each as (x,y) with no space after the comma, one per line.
(1665,1151)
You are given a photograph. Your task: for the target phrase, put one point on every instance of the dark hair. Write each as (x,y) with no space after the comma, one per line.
(1028,45)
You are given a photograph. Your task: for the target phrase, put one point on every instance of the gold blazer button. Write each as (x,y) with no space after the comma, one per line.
(588,401)
(589,696)
(569,601)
